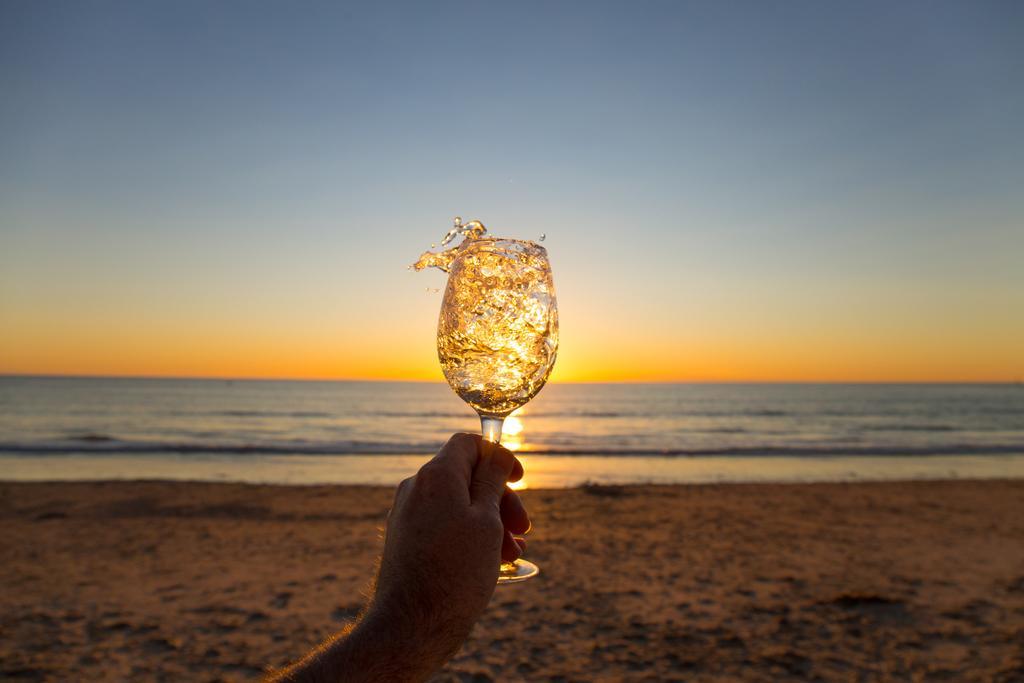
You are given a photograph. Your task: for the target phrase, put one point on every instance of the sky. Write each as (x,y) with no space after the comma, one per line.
(731,191)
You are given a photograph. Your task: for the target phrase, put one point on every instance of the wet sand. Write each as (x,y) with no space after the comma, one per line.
(844,582)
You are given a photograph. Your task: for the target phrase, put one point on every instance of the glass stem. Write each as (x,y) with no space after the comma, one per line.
(490,427)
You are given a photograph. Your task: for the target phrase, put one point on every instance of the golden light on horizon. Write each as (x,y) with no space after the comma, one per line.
(38,341)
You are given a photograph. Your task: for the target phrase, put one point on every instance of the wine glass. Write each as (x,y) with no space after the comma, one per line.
(497,335)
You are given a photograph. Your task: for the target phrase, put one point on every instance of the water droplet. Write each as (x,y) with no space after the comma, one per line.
(543,236)
(472,230)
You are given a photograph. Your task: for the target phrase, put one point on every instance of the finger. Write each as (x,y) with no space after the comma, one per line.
(517,470)
(513,513)
(521,542)
(510,550)
(491,474)
(459,455)
(462,451)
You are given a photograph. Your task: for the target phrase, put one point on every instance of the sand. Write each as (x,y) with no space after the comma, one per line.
(844,582)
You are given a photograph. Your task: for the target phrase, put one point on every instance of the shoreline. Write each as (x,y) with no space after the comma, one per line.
(595,488)
(542,471)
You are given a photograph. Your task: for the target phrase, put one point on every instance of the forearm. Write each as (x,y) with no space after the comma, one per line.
(378,648)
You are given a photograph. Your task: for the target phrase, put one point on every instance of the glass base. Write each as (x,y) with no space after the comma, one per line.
(520,570)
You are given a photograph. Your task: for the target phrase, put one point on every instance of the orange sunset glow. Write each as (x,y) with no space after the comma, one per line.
(57,341)
(248,357)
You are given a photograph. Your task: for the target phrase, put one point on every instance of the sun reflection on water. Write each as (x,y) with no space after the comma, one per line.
(513,426)
(512,438)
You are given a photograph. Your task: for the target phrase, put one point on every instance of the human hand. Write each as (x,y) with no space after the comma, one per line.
(449,529)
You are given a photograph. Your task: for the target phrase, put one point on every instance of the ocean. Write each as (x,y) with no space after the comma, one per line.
(379,432)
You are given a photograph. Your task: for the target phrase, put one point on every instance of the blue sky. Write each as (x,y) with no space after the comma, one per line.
(733,182)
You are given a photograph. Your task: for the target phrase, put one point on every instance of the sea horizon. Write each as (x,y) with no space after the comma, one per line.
(378,432)
(440,381)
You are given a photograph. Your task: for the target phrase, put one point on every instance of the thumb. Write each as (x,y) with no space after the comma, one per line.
(491,473)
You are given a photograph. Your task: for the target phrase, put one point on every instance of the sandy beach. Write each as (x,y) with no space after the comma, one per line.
(216,582)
